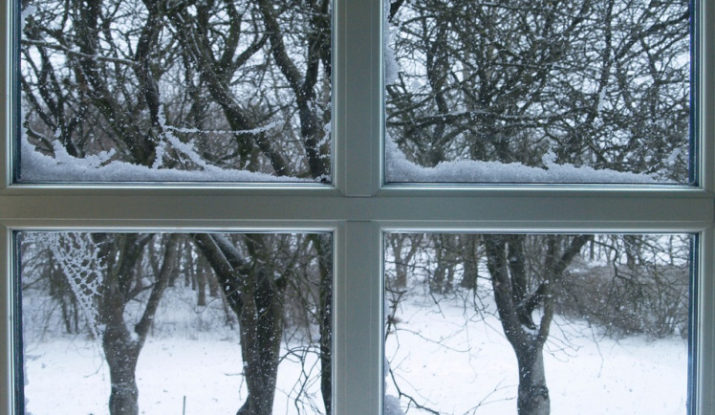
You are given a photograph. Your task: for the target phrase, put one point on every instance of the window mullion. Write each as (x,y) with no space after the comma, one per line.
(7,93)
(531,212)
(705,326)
(358,96)
(705,99)
(358,341)
(7,368)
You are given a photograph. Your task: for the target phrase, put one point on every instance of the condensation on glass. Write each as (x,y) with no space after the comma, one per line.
(538,91)
(129,323)
(136,91)
(523,323)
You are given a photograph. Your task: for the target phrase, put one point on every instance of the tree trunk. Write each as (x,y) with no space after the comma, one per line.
(400,265)
(470,262)
(120,350)
(325,261)
(122,358)
(210,277)
(201,288)
(533,397)
(66,316)
(533,394)
(516,299)
(261,369)
(261,327)
(121,347)
(257,299)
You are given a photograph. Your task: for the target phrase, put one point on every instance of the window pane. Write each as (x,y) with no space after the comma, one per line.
(228,91)
(580,324)
(538,91)
(176,323)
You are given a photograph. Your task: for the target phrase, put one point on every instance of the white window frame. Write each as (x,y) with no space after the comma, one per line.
(359,208)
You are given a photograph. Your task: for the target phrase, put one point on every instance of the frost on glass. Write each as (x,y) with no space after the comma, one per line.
(537,91)
(536,324)
(130,90)
(124,324)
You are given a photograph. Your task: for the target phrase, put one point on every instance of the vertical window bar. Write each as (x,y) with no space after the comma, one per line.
(704,363)
(358,92)
(7,361)
(695,96)
(8,21)
(18,349)
(704,62)
(358,321)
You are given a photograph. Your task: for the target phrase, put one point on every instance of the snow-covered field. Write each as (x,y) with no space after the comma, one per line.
(442,362)
(69,376)
(457,368)
(192,355)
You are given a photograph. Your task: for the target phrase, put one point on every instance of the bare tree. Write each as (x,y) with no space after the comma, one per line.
(100,76)
(591,83)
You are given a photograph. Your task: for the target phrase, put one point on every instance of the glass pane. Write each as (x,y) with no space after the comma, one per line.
(536,324)
(207,91)
(538,91)
(176,323)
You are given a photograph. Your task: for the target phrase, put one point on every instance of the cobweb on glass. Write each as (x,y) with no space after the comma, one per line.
(78,257)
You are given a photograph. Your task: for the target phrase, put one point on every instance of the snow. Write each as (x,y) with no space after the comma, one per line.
(28,11)
(436,358)
(191,354)
(101,167)
(391,406)
(37,167)
(254,131)
(391,66)
(399,169)
(207,371)
(454,360)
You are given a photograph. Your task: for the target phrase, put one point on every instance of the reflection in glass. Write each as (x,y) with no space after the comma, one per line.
(176,323)
(229,91)
(536,324)
(538,91)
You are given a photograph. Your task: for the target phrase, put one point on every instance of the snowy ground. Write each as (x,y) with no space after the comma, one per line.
(458,368)
(439,360)
(70,377)
(192,354)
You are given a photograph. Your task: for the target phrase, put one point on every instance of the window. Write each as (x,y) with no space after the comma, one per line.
(468,317)
(554,92)
(129,315)
(358,208)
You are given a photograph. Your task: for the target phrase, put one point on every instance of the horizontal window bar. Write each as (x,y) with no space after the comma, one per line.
(658,211)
